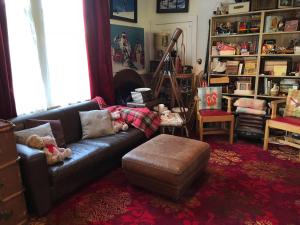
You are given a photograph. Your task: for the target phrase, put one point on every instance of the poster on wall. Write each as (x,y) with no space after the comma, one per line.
(127,48)
(125,10)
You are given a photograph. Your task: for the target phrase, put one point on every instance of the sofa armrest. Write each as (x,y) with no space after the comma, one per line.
(34,170)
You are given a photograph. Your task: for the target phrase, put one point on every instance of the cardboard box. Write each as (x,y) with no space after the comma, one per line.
(239,7)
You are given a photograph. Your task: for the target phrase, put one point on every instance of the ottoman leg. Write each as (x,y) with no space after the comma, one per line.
(201,129)
(231,131)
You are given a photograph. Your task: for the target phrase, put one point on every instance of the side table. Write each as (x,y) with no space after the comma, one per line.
(12,202)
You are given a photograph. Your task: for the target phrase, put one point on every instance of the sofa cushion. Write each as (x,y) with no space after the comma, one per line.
(42,130)
(56,128)
(69,117)
(83,156)
(120,143)
(96,123)
(214,112)
(289,120)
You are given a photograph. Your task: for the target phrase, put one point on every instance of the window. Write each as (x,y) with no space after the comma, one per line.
(48,53)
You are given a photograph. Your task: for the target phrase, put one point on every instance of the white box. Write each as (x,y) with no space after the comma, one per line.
(239,7)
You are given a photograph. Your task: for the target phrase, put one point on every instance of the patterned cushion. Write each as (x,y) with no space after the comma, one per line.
(251,103)
(293,103)
(210,97)
(214,112)
(290,120)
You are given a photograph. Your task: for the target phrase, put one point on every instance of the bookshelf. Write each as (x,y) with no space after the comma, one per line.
(256,37)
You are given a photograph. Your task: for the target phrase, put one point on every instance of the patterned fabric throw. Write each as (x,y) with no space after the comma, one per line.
(102,104)
(251,103)
(141,118)
(210,97)
(293,103)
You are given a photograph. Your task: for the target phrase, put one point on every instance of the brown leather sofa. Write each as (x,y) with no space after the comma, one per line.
(45,185)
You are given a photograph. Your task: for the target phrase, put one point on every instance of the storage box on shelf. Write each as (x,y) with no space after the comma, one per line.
(12,202)
(254,45)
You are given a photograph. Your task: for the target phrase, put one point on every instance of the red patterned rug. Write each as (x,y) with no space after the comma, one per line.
(243,185)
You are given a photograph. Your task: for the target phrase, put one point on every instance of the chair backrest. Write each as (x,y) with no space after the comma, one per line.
(293,103)
(210,97)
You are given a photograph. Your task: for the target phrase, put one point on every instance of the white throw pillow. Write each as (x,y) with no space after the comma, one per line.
(42,130)
(96,123)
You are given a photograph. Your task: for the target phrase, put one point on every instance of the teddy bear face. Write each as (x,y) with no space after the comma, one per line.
(48,140)
(35,141)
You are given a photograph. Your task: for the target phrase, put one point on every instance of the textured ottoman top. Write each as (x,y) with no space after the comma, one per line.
(166,157)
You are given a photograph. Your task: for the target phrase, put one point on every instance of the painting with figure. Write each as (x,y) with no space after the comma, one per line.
(127,47)
(124,10)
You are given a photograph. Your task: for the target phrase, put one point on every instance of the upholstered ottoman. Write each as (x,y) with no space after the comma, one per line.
(166,164)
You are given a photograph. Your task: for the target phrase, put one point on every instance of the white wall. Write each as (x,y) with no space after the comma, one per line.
(203,9)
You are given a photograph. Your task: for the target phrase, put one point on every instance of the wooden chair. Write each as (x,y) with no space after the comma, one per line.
(285,123)
(183,121)
(216,116)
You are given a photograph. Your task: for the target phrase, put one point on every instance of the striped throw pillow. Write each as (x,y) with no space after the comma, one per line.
(293,103)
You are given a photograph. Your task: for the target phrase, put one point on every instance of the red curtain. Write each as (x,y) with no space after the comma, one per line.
(97,29)
(7,101)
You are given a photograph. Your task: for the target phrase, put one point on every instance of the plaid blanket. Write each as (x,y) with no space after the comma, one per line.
(141,118)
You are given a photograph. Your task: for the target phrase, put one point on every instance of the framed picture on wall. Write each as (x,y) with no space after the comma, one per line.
(172,6)
(125,10)
(285,4)
(127,48)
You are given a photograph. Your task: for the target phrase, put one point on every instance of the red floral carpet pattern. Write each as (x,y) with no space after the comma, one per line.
(242,185)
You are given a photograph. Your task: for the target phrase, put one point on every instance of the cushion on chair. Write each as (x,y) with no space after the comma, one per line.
(293,104)
(214,112)
(210,97)
(290,120)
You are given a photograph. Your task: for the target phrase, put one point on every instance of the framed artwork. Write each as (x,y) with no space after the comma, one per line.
(127,48)
(296,3)
(263,4)
(276,67)
(172,6)
(291,25)
(285,4)
(125,10)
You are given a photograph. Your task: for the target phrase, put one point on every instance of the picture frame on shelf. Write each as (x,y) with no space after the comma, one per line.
(124,12)
(296,3)
(276,67)
(172,6)
(285,4)
(257,5)
(291,25)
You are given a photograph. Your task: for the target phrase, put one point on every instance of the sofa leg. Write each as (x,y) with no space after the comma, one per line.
(266,138)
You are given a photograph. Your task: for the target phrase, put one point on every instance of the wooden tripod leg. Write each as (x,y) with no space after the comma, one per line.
(177,96)
(159,84)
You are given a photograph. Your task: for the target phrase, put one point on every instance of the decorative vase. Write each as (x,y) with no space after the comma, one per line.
(274,90)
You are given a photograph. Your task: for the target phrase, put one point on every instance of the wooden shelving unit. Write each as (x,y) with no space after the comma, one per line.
(256,79)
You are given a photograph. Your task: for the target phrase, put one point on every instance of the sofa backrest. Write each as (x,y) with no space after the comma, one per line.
(69,117)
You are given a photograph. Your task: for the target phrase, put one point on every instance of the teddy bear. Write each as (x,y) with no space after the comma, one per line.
(48,144)
(117,122)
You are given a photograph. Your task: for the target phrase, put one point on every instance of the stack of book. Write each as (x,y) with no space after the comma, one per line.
(232,67)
